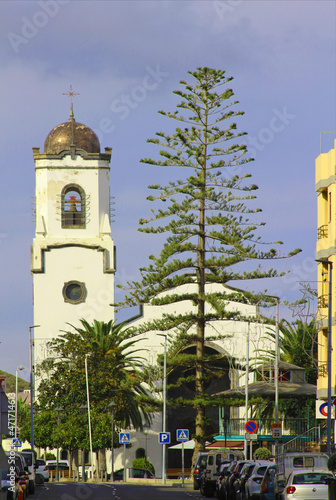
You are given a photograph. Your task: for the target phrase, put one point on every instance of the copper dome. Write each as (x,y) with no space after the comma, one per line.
(71,133)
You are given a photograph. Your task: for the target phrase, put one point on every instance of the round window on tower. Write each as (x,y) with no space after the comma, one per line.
(74,292)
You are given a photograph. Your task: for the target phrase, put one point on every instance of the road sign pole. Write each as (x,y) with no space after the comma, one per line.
(182,463)
(124,462)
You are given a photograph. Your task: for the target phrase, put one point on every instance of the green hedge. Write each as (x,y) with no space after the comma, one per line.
(262,454)
(332,462)
(140,463)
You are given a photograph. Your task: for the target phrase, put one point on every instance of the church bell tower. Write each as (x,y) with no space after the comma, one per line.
(73,257)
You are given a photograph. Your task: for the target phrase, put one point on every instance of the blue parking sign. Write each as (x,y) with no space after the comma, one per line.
(164,437)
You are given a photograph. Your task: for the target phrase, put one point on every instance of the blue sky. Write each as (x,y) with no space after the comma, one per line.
(281,55)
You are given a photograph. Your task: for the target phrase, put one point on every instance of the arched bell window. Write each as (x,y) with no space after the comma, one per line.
(73,207)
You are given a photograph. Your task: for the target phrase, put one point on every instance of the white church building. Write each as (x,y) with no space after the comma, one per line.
(73,264)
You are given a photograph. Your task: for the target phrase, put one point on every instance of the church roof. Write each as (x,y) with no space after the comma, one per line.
(71,133)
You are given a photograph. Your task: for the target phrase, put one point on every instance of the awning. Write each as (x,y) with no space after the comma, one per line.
(188,445)
(267,390)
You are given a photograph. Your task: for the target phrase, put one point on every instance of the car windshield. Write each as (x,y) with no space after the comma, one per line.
(311,478)
(28,458)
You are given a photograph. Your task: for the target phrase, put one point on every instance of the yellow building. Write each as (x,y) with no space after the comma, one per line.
(325,173)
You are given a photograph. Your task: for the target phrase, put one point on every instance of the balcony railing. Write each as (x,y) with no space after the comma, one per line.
(322,232)
(290,426)
(322,301)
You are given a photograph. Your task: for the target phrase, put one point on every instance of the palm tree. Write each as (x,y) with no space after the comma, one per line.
(298,346)
(114,372)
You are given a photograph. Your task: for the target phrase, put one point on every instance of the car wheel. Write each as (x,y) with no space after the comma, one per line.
(196,485)
(209,492)
(31,487)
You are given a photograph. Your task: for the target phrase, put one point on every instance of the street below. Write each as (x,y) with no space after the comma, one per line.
(75,491)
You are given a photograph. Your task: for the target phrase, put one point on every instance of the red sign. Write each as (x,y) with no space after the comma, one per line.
(251,426)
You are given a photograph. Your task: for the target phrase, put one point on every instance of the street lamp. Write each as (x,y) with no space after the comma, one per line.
(276,364)
(164,409)
(31,345)
(89,414)
(330,265)
(146,435)
(247,385)
(19,368)
(83,409)
(58,409)
(111,407)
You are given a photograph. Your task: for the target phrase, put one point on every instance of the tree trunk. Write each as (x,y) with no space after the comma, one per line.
(73,455)
(200,272)
(101,461)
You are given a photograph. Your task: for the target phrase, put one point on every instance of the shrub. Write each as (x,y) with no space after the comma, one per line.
(140,463)
(262,454)
(50,456)
(332,462)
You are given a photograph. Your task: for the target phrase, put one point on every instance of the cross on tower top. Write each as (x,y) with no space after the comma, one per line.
(71,93)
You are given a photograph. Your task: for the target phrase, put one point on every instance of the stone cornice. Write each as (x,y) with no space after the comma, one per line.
(39,247)
(73,152)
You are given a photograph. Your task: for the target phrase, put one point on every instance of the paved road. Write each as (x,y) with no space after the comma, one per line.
(69,491)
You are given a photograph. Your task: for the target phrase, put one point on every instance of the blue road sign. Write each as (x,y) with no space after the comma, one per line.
(164,437)
(124,437)
(182,435)
(17,442)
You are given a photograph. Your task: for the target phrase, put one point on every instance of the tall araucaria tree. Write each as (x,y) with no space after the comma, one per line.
(206,218)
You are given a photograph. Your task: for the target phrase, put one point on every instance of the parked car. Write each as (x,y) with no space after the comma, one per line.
(198,468)
(63,467)
(22,468)
(252,485)
(267,484)
(307,484)
(235,474)
(10,483)
(29,457)
(292,461)
(132,473)
(209,477)
(222,491)
(221,475)
(239,483)
(42,468)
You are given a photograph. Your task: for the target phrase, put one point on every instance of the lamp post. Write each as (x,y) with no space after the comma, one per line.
(146,435)
(83,409)
(276,364)
(164,409)
(19,368)
(89,414)
(58,409)
(31,345)
(330,265)
(111,407)
(247,383)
